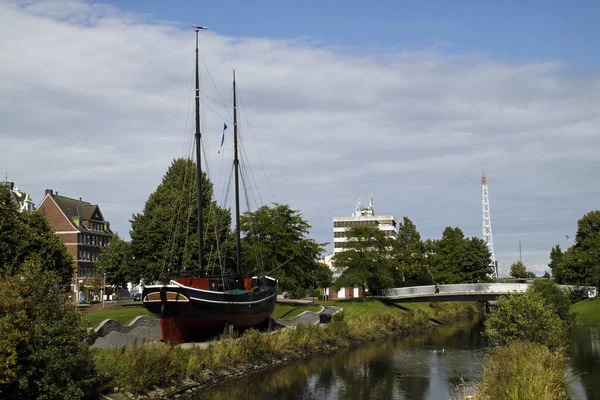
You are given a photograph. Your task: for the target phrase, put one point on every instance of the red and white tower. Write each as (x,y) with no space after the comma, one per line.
(487,223)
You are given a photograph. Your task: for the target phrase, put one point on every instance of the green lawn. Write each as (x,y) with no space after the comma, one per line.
(419,306)
(588,311)
(355,308)
(124,315)
(128,312)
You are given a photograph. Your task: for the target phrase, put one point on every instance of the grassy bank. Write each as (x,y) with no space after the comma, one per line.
(443,311)
(145,367)
(587,311)
(159,365)
(524,371)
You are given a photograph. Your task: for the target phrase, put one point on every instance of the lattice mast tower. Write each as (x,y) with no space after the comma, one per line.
(487,223)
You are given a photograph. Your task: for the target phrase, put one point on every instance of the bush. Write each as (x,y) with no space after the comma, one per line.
(524,371)
(525,317)
(42,352)
(452,311)
(555,298)
(576,294)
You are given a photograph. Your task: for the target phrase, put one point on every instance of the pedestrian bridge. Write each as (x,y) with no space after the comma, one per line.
(462,292)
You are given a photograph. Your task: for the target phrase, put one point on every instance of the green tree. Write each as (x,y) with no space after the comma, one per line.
(579,264)
(366,260)
(518,270)
(556,255)
(117,262)
(547,275)
(323,275)
(28,237)
(409,253)
(165,236)
(476,261)
(275,237)
(525,317)
(447,259)
(42,352)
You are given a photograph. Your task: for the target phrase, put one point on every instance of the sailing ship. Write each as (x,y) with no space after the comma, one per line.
(193,304)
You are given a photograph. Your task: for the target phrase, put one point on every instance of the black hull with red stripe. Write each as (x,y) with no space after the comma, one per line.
(188,313)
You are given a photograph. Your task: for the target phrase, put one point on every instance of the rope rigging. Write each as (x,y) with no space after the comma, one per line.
(217,225)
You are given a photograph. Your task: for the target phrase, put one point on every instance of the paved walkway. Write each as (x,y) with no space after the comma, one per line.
(309,317)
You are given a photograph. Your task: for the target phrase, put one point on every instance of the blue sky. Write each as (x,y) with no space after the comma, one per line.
(408,101)
(508,29)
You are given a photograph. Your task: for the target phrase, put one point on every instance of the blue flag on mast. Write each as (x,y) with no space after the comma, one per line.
(223,137)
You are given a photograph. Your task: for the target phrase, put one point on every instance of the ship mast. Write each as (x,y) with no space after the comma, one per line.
(236,164)
(198,138)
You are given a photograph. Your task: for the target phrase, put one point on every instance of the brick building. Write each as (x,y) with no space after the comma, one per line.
(343,293)
(84,231)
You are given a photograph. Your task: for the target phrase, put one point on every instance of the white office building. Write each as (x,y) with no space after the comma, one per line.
(362,216)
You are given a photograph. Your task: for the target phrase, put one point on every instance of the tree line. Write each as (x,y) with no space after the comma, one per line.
(276,237)
(580,263)
(375,261)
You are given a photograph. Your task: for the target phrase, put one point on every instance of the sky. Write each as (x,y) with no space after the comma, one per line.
(408,101)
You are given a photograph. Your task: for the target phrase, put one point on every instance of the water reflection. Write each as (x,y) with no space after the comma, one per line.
(585,361)
(425,366)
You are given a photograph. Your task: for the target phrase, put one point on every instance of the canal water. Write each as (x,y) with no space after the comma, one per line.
(427,366)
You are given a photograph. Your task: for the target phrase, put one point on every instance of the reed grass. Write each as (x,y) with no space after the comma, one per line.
(524,371)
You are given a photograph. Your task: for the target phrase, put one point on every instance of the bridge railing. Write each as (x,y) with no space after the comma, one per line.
(469,288)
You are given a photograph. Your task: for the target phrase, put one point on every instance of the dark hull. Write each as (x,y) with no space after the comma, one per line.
(187,313)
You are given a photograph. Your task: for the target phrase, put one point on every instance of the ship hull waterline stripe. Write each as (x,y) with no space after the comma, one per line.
(175,284)
(232,302)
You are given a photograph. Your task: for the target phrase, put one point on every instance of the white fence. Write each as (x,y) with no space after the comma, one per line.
(470,288)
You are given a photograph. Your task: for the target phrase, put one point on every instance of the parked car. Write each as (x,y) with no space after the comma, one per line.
(137,297)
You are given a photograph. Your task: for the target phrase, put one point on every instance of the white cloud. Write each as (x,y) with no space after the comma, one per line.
(95,102)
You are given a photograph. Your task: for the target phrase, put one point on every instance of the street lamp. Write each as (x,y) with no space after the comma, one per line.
(104,290)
